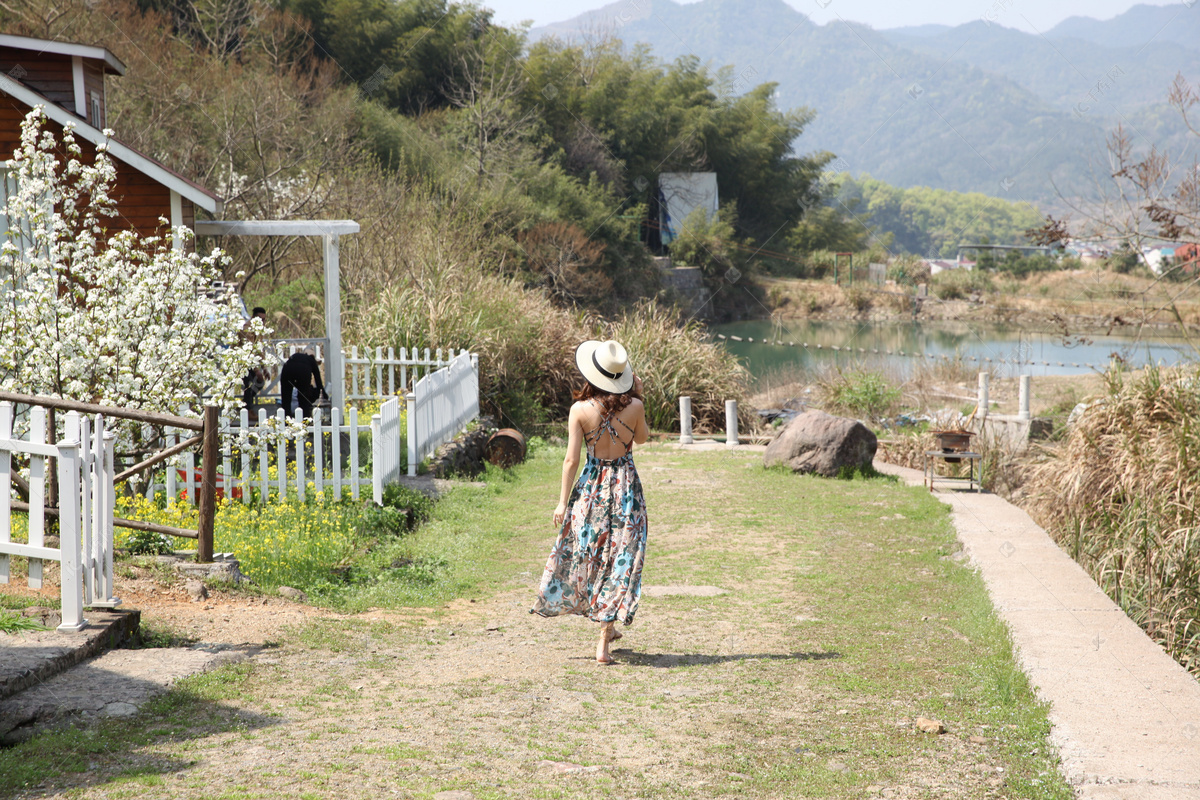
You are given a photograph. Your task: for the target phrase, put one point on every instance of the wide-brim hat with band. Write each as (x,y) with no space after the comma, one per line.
(605,365)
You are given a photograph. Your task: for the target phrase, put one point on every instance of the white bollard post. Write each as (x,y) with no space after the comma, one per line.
(982,412)
(685,420)
(731,431)
(1023,398)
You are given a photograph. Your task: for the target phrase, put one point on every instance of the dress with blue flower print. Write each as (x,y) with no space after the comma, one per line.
(595,567)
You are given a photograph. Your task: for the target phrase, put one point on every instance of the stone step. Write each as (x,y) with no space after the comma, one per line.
(114,684)
(32,657)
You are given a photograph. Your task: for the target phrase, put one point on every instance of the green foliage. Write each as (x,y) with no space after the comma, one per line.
(829,229)
(861,392)
(148,543)
(933,222)
(707,243)
(624,117)
(13,623)
(1019,265)
(958,284)
(403,51)
(418,504)
(1124,260)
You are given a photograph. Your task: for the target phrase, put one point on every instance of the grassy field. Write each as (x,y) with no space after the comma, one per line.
(844,614)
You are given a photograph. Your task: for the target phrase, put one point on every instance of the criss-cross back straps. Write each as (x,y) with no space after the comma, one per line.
(606,425)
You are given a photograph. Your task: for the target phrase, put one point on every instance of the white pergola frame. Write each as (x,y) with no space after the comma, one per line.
(329,230)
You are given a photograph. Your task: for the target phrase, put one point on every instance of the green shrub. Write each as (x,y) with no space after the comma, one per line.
(858,298)
(860,392)
(147,543)
(957,284)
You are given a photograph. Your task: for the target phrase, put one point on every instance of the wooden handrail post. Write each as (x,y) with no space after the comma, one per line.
(208,487)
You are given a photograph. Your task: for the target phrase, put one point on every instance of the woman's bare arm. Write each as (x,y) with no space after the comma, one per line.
(570,462)
(641,431)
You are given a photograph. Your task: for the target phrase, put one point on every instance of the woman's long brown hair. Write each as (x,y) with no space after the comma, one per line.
(613,403)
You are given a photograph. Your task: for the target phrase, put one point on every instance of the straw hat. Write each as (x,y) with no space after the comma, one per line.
(605,365)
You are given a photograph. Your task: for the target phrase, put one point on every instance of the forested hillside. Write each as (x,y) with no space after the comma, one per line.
(976,108)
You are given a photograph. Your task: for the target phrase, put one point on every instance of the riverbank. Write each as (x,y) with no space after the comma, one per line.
(1072,301)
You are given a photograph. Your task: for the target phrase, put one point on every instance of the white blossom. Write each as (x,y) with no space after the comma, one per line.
(118,318)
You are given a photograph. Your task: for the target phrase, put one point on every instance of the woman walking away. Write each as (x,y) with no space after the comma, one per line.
(595,568)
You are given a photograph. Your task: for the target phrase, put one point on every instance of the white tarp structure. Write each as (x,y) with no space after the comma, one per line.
(681,193)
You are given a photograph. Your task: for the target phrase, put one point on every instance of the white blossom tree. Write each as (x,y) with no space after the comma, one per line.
(115,318)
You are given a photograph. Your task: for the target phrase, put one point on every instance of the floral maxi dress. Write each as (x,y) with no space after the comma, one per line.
(595,567)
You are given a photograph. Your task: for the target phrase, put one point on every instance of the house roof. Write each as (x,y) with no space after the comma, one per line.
(64,49)
(202,197)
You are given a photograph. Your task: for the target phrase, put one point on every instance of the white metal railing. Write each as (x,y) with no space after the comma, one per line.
(85,511)
(440,405)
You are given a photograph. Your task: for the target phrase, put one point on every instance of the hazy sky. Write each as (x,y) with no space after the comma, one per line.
(1027,15)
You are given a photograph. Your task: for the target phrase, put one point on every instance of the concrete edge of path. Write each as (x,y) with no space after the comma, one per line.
(1126,715)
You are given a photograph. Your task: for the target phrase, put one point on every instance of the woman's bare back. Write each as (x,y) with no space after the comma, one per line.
(613,440)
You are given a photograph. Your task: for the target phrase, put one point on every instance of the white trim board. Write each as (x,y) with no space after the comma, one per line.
(62,49)
(122,152)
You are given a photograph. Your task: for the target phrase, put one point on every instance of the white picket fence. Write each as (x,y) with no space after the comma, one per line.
(384,363)
(331,463)
(440,406)
(86,502)
(369,373)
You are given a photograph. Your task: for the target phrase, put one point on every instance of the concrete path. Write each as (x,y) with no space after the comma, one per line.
(1126,715)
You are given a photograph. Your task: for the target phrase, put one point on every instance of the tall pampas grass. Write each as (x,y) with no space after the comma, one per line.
(1121,496)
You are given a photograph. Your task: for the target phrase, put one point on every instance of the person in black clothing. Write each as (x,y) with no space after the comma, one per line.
(301,372)
(254,380)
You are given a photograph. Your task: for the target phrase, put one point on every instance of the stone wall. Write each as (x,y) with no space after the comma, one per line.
(687,283)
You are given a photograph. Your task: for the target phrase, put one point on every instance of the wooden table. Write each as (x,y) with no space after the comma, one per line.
(972,459)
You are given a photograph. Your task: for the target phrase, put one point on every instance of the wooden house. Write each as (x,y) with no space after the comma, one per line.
(69,80)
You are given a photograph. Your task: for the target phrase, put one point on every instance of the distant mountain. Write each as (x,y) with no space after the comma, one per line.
(1139,26)
(977,107)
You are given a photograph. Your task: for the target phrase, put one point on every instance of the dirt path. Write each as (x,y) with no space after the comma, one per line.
(722,687)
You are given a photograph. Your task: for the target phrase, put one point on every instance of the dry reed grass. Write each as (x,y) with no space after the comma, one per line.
(1120,495)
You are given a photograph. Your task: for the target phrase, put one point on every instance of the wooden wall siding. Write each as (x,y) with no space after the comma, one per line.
(140,199)
(46,73)
(93,81)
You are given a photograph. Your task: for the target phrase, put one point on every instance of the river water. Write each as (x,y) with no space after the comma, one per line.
(1011,350)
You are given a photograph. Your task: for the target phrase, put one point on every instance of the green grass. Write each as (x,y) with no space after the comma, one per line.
(845,619)
(11,623)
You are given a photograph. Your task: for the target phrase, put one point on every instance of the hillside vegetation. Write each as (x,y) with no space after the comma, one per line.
(979,107)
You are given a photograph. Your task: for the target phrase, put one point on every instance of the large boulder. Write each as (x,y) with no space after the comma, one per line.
(822,443)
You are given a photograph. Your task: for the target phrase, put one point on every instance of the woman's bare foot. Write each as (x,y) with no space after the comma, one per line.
(613,633)
(606,635)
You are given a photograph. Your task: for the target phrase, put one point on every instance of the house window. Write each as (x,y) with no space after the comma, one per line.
(97,116)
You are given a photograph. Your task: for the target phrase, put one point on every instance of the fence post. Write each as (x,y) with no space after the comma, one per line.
(208,488)
(6,419)
(982,409)
(685,420)
(731,426)
(377,459)
(70,579)
(353,423)
(410,404)
(1023,398)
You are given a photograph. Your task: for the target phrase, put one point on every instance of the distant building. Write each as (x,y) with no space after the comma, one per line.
(937,265)
(1157,258)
